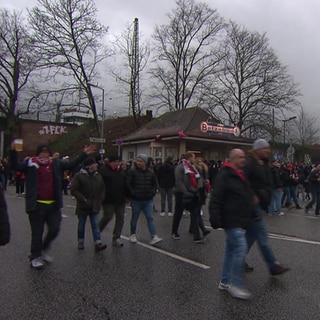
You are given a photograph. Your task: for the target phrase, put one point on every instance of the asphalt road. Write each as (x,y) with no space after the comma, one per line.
(176,280)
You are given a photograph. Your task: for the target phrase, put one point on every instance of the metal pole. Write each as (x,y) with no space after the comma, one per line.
(102,124)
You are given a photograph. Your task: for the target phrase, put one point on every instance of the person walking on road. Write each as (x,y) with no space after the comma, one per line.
(141,184)
(44,197)
(231,208)
(314,180)
(260,179)
(165,174)
(114,177)
(187,196)
(88,189)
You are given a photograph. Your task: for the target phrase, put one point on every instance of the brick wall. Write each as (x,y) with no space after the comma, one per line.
(34,133)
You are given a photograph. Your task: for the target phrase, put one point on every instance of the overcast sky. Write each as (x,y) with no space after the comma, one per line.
(292,27)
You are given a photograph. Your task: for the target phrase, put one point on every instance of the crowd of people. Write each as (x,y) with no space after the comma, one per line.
(242,189)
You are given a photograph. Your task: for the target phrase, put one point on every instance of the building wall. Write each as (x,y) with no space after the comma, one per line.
(34,133)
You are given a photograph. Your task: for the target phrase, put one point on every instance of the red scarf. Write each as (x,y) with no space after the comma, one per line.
(237,171)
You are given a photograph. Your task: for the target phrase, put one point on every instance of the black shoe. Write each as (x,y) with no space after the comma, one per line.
(206,232)
(100,247)
(298,207)
(278,269)
(198,240)
(175,236)
(247,268)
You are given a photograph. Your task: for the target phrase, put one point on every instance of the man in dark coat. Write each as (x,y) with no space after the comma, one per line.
(44,196)
(260,179)
(141,184)
(114,178)
(165,174)
(231,208)
(88,188)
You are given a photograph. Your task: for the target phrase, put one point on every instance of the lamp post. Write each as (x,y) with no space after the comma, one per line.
(284,127)
(102,118)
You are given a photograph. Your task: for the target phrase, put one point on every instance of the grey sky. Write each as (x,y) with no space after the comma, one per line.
(290,25)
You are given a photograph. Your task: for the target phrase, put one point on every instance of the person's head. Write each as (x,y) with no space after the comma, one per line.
(169,159)
(142,161)
(43,151)
(114,161)
(189,156)
(56,155)
(261,148)
(90,164)
(317,166)
(237,158)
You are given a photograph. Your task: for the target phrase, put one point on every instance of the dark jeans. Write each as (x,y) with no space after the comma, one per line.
(44,214)
(65,184)
(109,210)
(193,208)
(19,186)
(166,194)
(315,193)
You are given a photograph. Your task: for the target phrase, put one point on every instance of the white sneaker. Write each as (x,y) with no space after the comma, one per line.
(170,214)
(162,214)
(45,257)
(36,263)
(281,213)
(133,238)
(239,293)
(155,239)
(223,286)
(201,213)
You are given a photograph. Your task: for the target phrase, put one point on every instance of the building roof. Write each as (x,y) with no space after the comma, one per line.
(171,124)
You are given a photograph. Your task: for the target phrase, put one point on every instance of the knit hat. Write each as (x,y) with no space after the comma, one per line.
(88,162)
(43,148)
(260,144)
(144,157)
(114,157)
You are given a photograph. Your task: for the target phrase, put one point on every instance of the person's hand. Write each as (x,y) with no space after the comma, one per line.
(256,200)
(92,148)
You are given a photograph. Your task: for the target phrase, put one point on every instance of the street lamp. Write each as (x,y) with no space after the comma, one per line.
(284,127)
(102,117)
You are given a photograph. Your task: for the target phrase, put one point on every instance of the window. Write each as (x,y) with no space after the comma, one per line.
(157,153)
(130,155)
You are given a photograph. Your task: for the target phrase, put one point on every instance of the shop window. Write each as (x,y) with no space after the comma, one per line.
(169,152)
(130,155)
(157,153)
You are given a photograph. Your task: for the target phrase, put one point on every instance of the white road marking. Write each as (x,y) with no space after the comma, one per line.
(170,254)
(293,239)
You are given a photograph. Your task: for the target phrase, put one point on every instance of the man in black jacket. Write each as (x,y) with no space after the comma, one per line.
(231,208)
(114,178)
(165,174)
(260,179)
(142,186)
(275,205)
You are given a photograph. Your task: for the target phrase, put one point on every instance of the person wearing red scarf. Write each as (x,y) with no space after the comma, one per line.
(44,197)
(231,208)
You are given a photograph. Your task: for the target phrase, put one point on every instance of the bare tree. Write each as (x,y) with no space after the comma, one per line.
(251,82)
(17,62)
(135,55)
(306,129)
(185,54)
(67,33)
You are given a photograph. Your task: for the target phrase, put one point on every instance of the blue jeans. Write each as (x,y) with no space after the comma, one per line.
(234,257)
(315,194)
(147,208)
(275,205)
(94,218)
(258,232)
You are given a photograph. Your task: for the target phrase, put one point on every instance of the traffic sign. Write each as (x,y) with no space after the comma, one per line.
(102,151)
(97,140)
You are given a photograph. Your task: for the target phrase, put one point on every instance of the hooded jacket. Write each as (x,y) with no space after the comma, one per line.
(88,190)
